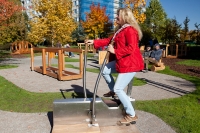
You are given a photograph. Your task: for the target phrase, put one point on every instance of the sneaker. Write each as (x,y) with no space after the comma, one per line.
(109,94)
(129,119)
(145,71)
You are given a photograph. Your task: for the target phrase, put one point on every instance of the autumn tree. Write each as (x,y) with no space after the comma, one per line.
(11,21)
(96,21)
(8,9)
(53,21)
(138,9)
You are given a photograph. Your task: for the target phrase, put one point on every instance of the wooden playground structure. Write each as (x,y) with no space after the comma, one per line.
(21,47)
(176,50)
(60,72)
(90,47)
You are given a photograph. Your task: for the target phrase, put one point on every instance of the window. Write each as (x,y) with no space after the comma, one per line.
(75,11)
(74,3)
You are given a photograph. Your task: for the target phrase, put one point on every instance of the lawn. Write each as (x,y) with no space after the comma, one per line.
(190,63)
(35,54)
(4,54)
(3,66)
(182,114)
(67,59)
(16,99)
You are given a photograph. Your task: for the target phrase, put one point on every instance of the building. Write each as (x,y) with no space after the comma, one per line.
(27,4)
(80,7)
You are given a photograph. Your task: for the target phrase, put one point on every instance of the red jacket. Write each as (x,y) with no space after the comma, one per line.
(127,53)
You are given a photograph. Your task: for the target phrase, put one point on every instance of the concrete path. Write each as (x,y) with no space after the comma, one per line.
(158,86)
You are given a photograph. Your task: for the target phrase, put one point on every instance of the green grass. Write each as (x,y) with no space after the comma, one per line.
(5,66)
(182,114)
(190,63)
(90,55)
(67,59)
(15,99)
(35,54)
(4,54)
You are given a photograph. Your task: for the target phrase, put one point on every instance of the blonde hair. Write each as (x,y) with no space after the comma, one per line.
(128,18)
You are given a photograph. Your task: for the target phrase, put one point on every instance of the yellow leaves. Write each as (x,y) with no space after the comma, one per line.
(55,21)
(136,6)
(95,20)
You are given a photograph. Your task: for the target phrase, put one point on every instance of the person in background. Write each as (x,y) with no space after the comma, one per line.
(125,59)
(146,55)
(71,54)
(155,41)
(154,57)
(150,42)
(59,45)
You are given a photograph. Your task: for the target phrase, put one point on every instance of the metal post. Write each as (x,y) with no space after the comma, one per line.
(92,107)
(129,89)
(84,70)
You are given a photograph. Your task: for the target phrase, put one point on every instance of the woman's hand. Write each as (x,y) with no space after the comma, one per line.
(111,49)
(90,42)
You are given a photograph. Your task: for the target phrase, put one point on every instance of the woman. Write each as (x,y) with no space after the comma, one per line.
(125,58)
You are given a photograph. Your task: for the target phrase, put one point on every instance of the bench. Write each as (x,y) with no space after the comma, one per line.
(160,65)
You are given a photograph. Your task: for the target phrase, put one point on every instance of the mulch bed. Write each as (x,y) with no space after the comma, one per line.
(189,70)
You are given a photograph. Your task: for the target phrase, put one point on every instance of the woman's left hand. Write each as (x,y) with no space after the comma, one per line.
(111,49)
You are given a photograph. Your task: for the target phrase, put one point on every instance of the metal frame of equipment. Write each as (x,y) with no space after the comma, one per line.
(91,111)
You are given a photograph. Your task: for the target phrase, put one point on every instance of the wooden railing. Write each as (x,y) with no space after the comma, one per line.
(176,50)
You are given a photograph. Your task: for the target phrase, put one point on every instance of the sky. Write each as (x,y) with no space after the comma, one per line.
(180,9)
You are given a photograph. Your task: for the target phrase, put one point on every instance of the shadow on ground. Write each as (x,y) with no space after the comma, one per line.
(78,92)
(169,88)
(50,117)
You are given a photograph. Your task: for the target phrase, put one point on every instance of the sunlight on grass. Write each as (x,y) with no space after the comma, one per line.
(182,113)
(5,66)
(16,99)
(190,63)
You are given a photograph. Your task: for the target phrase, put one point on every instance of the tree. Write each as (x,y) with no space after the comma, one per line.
(185,28)
(155,18)
(197,26)
(171,29)
(53,21)
(138,9)
(8,9)
(11,21)
(96,21)
(192,35)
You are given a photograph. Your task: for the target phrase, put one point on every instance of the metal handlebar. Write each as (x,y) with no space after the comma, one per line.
(92,106)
